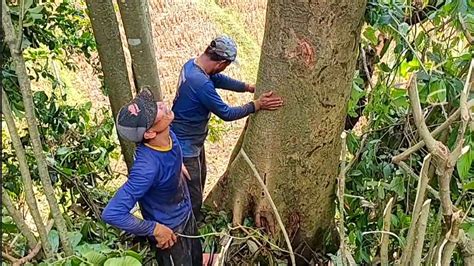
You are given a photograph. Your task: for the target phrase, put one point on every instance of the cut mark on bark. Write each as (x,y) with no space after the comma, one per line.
(303,51)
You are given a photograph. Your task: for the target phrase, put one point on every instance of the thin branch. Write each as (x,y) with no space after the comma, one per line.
(466,32)
(409,171)
(35,251)
(25,88)
(340,196)
(420,234)
(407,254)
(18,219)
(9,257)
(270,200)
(387,218)
(366,68)
(358,153)
(383,232)
(420,123)
(21,3)
(465,116)
(451,119)
(25,174)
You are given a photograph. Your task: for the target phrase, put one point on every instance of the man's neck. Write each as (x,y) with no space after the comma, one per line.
(205,63)
(162,139)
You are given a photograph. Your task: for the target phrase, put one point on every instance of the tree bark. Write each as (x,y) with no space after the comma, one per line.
(308,57)
(25,176)
(25,88)
(20,221)
(135,18)
(112,59)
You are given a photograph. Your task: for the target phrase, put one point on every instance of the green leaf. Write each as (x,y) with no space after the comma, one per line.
(95,257)
(122,261)
(464,164)
(75,238)
(62,150)
(53,238)
(27,4)
(36,9)
(398,186)
(369,33)
(134,254)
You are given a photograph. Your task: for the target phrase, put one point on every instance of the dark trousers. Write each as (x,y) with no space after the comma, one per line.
(185,252)
(196,167)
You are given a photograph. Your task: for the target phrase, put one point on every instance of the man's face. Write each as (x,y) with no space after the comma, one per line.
(220,66)
(163,118)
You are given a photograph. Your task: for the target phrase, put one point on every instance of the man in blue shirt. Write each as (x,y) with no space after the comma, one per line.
(196,98)
(156,183)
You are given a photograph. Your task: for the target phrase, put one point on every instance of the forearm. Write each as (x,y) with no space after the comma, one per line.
(129,223)
(235,113)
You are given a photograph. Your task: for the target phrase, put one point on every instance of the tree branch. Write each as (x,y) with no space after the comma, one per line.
(270,200)
(451,119)
(465,116)
(25,88)
(420,233)
(467,34)
(18,219)
(340,196)
(407,254)
(387,220)
(25,175)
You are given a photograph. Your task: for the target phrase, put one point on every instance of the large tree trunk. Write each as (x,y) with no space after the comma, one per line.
(112,59)
(136,22)
(308,57)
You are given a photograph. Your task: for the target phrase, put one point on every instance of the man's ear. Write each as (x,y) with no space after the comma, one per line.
(149,134)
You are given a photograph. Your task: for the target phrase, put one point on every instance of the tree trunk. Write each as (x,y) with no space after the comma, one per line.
(308,57)
(25,178)
(25,88)
(136,22)
(112,59)
(20,221)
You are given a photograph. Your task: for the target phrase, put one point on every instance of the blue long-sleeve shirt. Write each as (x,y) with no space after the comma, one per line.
(154,182)
(196,98)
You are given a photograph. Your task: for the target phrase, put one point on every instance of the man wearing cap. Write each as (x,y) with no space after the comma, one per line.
(156,183)
(196,98)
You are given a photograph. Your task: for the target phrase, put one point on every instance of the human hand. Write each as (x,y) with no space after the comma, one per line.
(185,173)
(250,88)
(165,238)
(267,101)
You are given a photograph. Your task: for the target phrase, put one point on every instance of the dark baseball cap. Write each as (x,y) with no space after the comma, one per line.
(137,116)
(225,47)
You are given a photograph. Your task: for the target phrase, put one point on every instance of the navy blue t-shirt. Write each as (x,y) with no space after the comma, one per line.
(196,98)
(154,182)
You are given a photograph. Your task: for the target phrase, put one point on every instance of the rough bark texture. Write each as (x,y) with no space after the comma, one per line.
(308,57)
(112,59)
(25,88)
(25,178)
(137,27)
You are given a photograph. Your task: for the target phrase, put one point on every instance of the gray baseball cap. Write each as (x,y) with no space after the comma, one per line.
(224,46)
(137,116)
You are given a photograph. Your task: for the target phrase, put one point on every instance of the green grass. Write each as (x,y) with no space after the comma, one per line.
(230,22)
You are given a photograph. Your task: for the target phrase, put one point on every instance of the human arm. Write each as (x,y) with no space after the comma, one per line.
(224,82)
(213,102)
